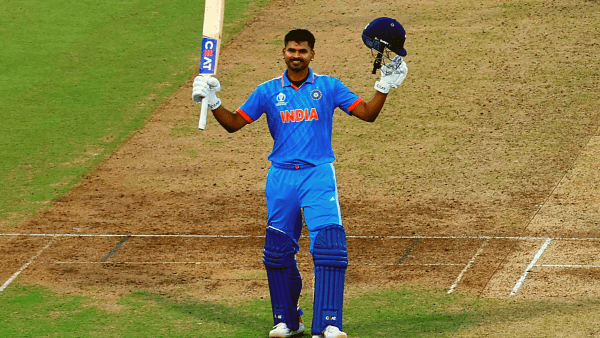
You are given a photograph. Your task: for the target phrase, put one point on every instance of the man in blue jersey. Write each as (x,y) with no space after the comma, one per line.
(299,106)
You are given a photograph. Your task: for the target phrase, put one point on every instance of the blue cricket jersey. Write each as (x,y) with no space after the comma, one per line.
(300,119)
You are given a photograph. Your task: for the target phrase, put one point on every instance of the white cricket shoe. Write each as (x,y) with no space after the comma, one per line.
(331,332)
(281,330)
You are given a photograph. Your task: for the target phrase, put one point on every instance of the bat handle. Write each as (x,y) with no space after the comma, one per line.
(203,114)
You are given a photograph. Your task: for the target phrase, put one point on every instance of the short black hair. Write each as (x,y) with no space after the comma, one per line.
(300,35)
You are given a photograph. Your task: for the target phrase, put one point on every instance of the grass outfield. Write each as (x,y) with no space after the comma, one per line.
(35,312)
(77,77)
(31,311)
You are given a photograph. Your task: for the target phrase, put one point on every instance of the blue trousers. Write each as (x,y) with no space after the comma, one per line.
(296,191)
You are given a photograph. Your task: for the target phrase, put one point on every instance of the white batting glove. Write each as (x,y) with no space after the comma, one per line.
(392,75)
(206,87)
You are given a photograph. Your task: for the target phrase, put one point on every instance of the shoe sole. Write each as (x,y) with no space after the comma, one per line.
(277,335)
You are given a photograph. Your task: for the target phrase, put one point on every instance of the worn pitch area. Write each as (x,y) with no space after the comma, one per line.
(481,172)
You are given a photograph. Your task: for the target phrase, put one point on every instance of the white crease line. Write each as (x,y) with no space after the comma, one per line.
(141,263)
(462,273)
(262,236)
(237,263)
(567,266)
(423,264)
(530,266)
(12,278)
(126,235)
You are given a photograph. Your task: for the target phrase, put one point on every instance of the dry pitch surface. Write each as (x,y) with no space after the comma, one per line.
(479,177)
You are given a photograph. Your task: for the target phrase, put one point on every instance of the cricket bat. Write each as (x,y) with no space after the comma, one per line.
(212,31)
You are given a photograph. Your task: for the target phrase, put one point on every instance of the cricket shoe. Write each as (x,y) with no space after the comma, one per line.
(281,330)
(331,332)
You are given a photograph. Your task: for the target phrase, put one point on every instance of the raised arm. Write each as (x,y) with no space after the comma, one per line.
(392,75)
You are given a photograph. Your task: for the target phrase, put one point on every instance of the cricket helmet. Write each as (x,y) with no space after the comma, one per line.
(384,33)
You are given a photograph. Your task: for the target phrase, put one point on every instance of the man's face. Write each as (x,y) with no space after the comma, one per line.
(297,55)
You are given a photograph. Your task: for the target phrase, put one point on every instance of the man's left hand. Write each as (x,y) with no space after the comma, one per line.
(392,75)
(206,88)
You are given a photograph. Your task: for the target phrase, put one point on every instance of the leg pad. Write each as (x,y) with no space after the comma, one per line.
(279,258)
(330,256)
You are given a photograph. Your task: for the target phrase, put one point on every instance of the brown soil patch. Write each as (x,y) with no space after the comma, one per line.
(491,117)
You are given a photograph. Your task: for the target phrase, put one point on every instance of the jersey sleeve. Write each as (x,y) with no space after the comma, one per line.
(345,99)
(252,109)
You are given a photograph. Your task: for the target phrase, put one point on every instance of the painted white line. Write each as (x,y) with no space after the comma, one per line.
(423,264)
(126,235)
(237,263)
(143,263)
(482,237)
(462,273)
(16,274)
(530,266)
(568,266)
(262,236)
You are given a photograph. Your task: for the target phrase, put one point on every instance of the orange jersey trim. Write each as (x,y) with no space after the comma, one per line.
(356,103)
(244,115)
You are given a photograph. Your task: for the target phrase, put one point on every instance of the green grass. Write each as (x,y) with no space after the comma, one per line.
(77,77)
(32,311)
(36,312)
(404,313)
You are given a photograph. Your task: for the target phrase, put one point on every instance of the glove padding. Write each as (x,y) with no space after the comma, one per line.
(206,87)
(392,75)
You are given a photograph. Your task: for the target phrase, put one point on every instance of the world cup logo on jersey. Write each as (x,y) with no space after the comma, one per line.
(281,99)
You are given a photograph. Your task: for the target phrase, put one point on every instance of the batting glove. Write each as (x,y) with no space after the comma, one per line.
(392,75)
(206,87)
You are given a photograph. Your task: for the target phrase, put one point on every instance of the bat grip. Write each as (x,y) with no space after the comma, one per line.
(203,114)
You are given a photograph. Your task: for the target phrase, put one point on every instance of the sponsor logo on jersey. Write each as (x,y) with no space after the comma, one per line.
(298,115)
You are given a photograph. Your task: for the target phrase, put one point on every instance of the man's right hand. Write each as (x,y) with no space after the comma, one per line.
(206,87)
